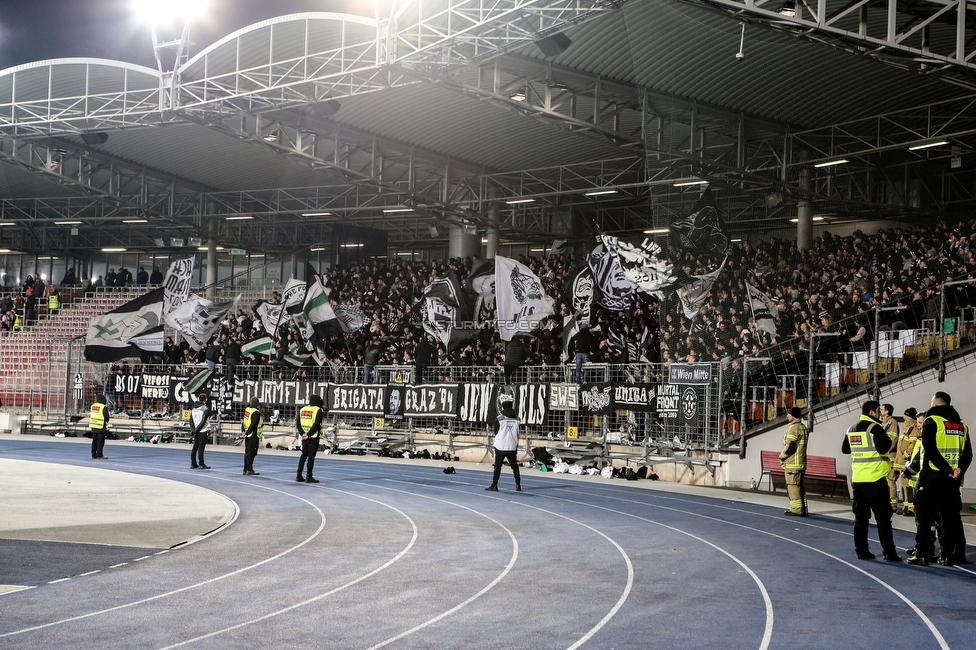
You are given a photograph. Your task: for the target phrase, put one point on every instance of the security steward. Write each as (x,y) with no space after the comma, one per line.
(947,453)
(252,425)
(309,427)
(890,424)
(903,455)
(98,426)
(794,460)
(868,445)
(200,419)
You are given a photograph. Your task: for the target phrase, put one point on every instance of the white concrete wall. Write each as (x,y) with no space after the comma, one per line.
(828,434)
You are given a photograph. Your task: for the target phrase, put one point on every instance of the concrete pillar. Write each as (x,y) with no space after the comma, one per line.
(212,262)
(462,244)
(804,213)
(494,217)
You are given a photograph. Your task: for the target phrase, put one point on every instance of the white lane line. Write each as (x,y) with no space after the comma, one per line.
(140,559)
(90,573)
(195,585)
(116,566)
(630,567)
(308,601)
(52,582)
(925,619)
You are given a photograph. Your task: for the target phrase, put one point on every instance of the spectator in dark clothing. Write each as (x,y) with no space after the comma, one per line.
(514,357)
(142,277)
(425,354)
(156,277)
(582,344)
(370,359)
(110,278)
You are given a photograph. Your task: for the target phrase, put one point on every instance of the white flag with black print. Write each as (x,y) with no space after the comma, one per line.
(694,294)
(134,329)
(351,317)
(644,265)
(522,303)
(198,318)
(481,283)
(176,284)
(763,310)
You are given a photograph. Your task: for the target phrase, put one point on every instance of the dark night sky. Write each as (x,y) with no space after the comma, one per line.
(33,30)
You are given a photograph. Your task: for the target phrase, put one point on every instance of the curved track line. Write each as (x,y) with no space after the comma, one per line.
(195,585)
(630,567)
(932,628)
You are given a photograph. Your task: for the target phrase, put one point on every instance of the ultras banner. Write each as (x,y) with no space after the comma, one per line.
(479,402)
(278,393)
(634,397)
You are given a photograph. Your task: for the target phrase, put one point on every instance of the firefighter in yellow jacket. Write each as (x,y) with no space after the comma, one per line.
(794,460)
(890,425)
(903,455)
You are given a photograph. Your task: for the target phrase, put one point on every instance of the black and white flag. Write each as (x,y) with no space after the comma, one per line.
(446,312)
(131,330)
(198,318)
(694,294)
(270,315)
(702,231)
(579,288)
(644,264)
(611,289)
(763,310)
(351,317)
(176,284)
(481,283)
(521,301)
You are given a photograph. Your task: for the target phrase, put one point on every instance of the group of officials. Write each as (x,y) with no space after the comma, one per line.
(925,462)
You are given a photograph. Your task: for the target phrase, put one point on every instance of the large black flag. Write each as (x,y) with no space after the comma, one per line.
(579,288)
(446,311)
(702,230)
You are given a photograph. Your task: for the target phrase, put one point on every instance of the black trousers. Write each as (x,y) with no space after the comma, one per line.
(939,496)
(872,498)
(98,442)
(199,444)
(310,447)
(251,444)
(500,458)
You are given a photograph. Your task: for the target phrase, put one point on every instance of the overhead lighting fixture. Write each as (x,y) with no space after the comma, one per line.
(811,219)
(271,137)
(831,163)
(316,214)
(392,210)
(318,248)
(351,245)
(517,201)
(204,248)
(4,250)
(67,223)
(517,96)
(599,192)
(657,231)
(788,9)
(7,223)
(928,144)
(135,221)
(735,240)
(46,257)
(239,218)
(112,249)
(156,12)
(691,182)
(537,250)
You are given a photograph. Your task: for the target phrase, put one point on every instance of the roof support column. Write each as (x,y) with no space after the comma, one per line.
(494,219)
(212,262)
(804,213)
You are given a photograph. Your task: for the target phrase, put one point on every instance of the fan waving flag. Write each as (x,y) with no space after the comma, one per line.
(522,304)
(262,345)
(763,310)
(198,318)
(198,381)
(176,284)
(320,318)
(481,282)
(644,265)
(351,317)
(694,294)
(611,289)
(445,309)
(132,330)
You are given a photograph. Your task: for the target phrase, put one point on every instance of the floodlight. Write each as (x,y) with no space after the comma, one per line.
(156,12)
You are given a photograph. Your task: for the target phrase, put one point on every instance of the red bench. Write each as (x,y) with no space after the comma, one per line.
(821,472)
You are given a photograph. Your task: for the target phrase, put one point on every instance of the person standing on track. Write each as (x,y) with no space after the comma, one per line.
(890,425)
(200,419)
(98,425)
(309,425)
(903,455)
(947,453)
(506,443)
(868,444)
(794,460)
(253,426)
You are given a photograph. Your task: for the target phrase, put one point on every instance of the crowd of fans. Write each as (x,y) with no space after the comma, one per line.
(833,286)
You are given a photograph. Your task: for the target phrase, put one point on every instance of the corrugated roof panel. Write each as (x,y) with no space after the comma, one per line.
(456,125)
(675,47)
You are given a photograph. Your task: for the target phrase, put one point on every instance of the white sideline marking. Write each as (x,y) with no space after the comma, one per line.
(54,582)
(116,566)
(90,573)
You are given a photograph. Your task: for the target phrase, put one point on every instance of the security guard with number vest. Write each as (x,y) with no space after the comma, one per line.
(309,427)
(794,460)
(98,425)
(868,444)
(947,453)
(252,425)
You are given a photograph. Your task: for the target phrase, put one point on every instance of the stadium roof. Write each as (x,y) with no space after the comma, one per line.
(275,133)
